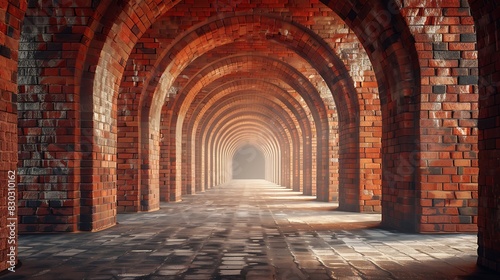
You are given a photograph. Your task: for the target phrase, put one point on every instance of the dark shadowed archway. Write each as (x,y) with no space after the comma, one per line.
(249,163)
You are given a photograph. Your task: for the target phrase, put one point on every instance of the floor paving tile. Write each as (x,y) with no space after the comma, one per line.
(248,230)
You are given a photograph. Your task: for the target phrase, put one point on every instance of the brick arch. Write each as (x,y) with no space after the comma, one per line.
(300,124)
(257,63)
(50,94)
(165,184)
(347,133)
(250,65)
(262,113)
(171,104)
(244,124)
(413,176)
(95,45)
(221,107)
(180,47)
(174,190)
(103,68)
(66,76)
(96,50)
(319,53)
(217,93)
(200,22)
(243,87)
(404,183)
(223,115)
(486,23)
(171,125)
(172,182)
(201,116)
(240,100)
(269,149)
(390,46)
(220,171)
(398,149)
(355,183)
(350,127)
(239,140)
(244,128)
(185,12)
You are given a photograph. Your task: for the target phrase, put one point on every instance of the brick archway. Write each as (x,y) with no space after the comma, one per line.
(255,64)
(245,89)
(77,75)
(392,41)
(168,79)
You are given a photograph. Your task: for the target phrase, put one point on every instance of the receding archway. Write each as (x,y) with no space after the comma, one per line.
(248,163)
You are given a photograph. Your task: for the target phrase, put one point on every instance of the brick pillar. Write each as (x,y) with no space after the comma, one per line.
(48,124)
(166,170)
(11,13)
(446,155)
(349,191)
(127,161)
(169,190)
(488,37)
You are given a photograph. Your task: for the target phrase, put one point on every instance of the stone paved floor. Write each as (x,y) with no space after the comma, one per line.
(248,230)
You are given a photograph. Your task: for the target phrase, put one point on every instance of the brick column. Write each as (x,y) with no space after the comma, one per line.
(11,13)
(446,154)
(488,37)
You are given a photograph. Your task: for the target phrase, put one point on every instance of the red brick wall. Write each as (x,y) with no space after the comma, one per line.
(128,164)
(487,22)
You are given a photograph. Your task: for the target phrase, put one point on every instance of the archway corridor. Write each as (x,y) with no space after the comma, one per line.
(116,108)
(248,229)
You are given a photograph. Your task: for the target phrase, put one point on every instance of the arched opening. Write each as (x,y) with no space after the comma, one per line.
(248,163)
